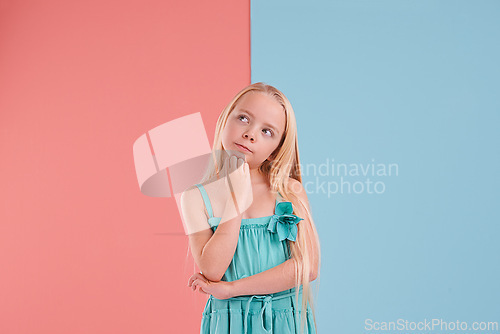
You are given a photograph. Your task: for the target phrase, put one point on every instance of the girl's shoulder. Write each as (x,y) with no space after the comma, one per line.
(295,186)
(297,189)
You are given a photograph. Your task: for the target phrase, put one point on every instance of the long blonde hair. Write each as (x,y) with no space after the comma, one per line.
(284,165)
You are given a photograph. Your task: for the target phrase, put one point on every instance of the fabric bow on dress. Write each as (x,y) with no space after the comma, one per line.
(284,222)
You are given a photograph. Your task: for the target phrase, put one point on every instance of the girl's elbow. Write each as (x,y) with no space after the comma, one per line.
(207,269)
(212,276)
(215,278)
(314,269)
(314,272)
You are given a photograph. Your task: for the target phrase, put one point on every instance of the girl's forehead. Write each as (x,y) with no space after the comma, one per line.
(262,107)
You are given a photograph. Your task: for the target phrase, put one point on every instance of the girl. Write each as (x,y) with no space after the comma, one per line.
(252,233)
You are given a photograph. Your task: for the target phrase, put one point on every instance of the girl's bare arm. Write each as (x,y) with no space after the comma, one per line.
(276,279)
(212,251)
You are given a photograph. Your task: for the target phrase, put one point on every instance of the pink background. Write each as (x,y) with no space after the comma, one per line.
(82,250)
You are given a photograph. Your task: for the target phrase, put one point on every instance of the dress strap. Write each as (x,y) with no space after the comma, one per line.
(279,198)
(206,200)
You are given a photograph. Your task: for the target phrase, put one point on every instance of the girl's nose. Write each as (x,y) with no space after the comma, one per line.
(246,135)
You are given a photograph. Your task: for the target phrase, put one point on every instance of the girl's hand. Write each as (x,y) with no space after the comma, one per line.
(237,172)
(220,290)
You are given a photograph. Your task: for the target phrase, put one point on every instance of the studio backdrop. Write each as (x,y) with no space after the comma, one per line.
(398,127)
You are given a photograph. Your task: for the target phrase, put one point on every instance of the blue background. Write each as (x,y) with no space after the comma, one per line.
(414,83)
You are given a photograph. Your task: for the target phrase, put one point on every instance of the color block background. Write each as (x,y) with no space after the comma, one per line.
(413,83)
(82,250)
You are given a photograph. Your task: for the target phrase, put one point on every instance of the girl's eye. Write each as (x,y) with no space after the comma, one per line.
(242,116)
(269,131)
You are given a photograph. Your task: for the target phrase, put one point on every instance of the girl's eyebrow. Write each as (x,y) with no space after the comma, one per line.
(267,124)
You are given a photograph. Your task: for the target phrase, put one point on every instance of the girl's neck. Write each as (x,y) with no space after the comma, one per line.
(257,178)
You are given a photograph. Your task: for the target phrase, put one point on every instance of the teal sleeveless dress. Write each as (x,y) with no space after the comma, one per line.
(258,249)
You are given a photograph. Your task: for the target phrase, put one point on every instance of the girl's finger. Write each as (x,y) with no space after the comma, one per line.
(231,164)
(196,284)
(193,277)
(201,277)
(201,283)
(225,170)
(235,163)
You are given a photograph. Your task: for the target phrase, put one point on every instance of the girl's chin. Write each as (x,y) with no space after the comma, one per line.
(238,154)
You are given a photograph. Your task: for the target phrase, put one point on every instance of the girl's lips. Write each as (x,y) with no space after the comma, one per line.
(242,147)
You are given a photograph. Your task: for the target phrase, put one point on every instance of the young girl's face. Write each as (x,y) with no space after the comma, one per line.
(256,122)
